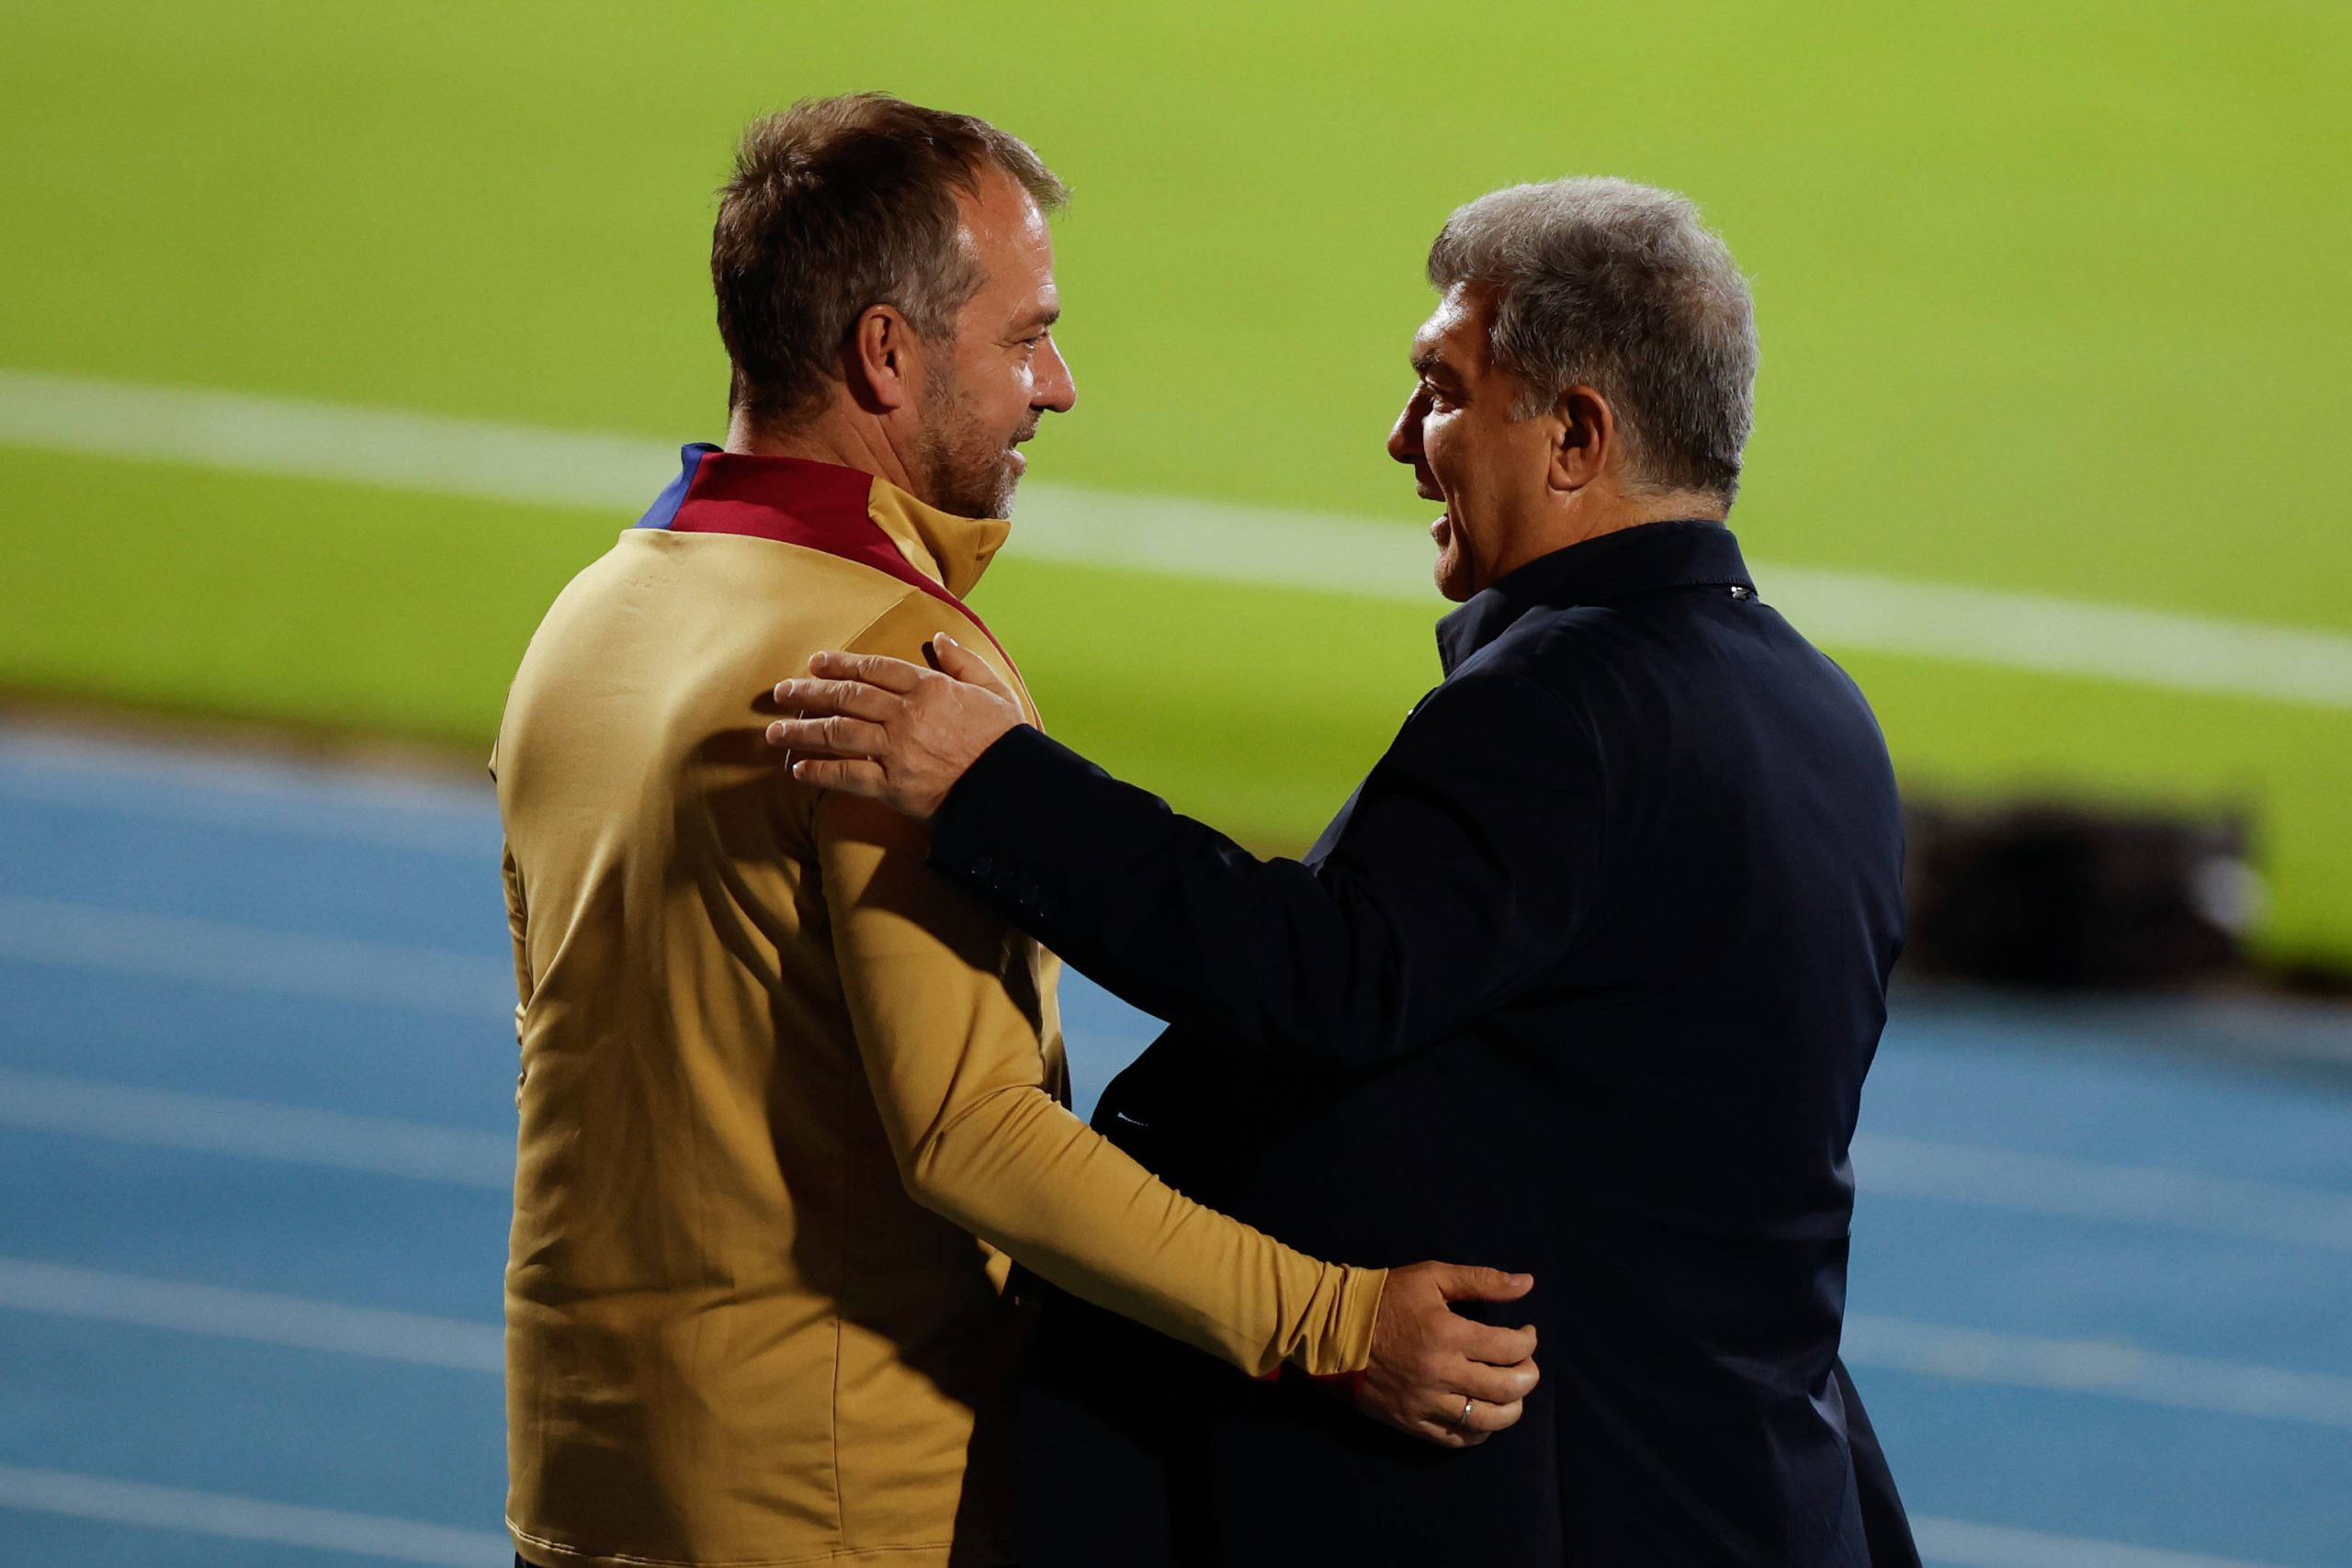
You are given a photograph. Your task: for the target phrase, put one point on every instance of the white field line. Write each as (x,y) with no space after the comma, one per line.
(433,454)
(210,952)
(259,1317)
(2102,1367)
(2086,1190)
(1957,1543)
(169,784)
(112,1502)
(250,1129)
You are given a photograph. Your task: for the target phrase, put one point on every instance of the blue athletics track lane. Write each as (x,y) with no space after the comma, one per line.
(255,1138)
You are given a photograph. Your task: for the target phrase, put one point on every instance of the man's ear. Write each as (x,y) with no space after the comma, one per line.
(881,362)
(1587,440)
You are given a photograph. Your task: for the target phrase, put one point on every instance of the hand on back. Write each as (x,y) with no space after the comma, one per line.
(1438,1375)
(893,731)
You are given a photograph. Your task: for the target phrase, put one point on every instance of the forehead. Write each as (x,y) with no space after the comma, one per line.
(1455,335)
(1009,235)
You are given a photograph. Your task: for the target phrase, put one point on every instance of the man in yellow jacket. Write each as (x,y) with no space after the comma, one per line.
(789,1102)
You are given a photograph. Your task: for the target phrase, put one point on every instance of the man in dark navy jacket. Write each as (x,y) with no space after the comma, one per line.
(1583,981)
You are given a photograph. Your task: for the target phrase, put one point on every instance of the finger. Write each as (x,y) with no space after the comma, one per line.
(957,660)
(834,737)
(1496,1385)
(851,778)
(874,669)
(1496,1346)
(1462,1282)
(815,699)
(1487,1419)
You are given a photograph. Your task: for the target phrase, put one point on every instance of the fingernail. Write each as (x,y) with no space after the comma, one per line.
(949,640)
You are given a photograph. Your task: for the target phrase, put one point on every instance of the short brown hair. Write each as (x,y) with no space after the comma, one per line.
(838,204)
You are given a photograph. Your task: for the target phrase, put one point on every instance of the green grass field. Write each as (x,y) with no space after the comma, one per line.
(2051,299)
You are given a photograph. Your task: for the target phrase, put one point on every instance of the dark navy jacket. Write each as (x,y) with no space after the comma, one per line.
(1583,981)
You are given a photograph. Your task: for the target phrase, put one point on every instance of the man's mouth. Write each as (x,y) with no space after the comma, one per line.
(1425,486)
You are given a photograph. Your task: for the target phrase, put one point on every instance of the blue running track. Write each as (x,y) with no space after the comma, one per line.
(255,1136)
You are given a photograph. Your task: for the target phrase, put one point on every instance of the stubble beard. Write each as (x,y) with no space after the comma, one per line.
(966,470)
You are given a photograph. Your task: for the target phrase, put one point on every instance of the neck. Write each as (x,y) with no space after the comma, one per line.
(851,440)
(1583,515)
(1620,512)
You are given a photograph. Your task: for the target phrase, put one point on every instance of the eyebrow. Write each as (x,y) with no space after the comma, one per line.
(1045,318)
(1428,362)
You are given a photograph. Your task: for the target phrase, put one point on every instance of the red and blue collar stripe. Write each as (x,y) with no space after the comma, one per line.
(793,500)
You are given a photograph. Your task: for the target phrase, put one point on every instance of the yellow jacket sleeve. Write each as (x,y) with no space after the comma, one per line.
(949,1019)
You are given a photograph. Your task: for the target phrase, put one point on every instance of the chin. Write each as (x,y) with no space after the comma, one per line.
(1452,577)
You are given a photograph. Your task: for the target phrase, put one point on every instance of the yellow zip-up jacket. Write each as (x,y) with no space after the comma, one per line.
(788,1100)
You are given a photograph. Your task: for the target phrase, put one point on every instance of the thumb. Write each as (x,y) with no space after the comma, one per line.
(953,659)
(1461,1282)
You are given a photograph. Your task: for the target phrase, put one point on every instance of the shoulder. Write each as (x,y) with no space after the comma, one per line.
(901,630)
(1500,703)
(1548,658)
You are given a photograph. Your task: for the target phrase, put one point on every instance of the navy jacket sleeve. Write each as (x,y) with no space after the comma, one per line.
(1466,867)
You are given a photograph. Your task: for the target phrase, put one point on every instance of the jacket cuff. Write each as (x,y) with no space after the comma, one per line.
(1345,1351)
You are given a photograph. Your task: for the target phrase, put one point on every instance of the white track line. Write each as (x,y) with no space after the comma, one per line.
(210,953)
(1967,1174)
(251,1129)
(1957,1543)
(170,783)
(2102,1367)
(2086,1190)
(433,454)
(260,1317)
(113,1502)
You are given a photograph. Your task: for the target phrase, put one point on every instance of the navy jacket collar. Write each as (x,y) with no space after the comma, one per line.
(1689,553)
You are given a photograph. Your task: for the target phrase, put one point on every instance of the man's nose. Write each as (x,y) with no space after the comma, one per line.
(1055,388)
(1405,436)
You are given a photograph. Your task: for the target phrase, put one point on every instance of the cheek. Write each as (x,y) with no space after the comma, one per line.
(1437,440)
(1445,444)
(1018,385)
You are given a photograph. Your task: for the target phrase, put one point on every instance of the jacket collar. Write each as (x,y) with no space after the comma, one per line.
(1687,553)
(825,505)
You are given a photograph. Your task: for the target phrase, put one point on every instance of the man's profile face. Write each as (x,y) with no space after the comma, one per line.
(984,393)
(1457,434)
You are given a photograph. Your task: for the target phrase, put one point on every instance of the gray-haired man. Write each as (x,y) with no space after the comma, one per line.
(1586,974)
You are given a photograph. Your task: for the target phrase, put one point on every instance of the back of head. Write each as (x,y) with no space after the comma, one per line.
(1618,286)
(836,205)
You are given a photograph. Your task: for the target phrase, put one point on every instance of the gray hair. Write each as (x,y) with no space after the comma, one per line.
(1620,288)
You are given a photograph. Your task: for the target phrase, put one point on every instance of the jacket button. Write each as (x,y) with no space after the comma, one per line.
(982,865)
